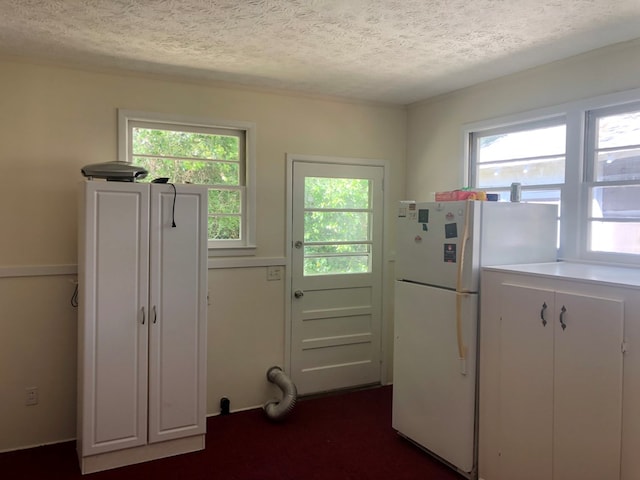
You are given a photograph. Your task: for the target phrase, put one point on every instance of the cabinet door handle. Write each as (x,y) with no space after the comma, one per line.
(563,311)
(143,316)
(155,315)
(542,311)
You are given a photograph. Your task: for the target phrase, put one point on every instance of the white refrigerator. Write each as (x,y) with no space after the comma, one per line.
(440,249)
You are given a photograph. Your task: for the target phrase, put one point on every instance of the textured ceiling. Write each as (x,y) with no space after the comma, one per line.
(395,51)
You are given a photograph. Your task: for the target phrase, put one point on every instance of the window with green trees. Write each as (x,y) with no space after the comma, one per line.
(197,153)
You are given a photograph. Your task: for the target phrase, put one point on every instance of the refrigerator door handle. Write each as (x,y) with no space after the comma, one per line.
(462,348)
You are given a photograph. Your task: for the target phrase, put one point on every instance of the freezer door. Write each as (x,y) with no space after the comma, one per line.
(430,243)
(433,391)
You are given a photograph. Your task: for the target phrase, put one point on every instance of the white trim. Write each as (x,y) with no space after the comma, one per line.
(38,271)
(249,262)
(212,263)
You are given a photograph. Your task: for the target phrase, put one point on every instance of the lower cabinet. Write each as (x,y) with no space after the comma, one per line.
(142,322)
(551,379)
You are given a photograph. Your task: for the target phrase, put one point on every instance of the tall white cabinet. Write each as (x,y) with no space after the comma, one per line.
(142,322)
(558,381)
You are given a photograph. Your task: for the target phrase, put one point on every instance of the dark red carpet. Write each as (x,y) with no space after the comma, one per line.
(345,436)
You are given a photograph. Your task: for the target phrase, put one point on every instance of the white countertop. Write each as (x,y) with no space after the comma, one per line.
(586,272)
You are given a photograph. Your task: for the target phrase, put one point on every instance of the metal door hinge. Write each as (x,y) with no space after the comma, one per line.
(624,347)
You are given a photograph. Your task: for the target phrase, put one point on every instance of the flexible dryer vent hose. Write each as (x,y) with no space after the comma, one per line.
(277,410)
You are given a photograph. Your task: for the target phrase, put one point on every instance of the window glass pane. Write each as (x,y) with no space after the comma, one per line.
(618,130)
(614,165)
(527,172)
(336,193)
(169,143)
(203,172)
(224,227)
(615,202)
(334,265)
(615,237)
(540,142)
(336,226)
(310,250)
(224,201)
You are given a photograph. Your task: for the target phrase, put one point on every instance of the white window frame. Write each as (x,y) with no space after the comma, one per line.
(574,193)
(246,245)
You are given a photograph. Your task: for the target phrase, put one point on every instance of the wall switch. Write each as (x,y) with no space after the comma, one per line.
(274,273)
(31,397)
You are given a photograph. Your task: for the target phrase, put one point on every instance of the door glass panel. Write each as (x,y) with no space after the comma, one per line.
(336,265)
(337,226)
(321,192)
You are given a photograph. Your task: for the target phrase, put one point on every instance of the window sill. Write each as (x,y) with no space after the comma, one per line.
(240,251)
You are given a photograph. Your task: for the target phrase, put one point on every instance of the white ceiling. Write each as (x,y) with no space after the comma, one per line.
(395,51)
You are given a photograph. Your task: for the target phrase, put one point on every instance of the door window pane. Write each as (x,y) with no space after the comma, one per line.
(336,226)
(336,265)
(323,193)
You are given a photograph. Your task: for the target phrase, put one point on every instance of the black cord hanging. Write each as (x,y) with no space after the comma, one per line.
(173,211)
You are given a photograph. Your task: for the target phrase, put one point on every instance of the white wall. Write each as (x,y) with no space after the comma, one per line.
(54,120)
(434,150)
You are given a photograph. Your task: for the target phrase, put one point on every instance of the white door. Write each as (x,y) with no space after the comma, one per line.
(526,383)
(336,275)
(113,329)
(433,392)
(587,387)
(177,312)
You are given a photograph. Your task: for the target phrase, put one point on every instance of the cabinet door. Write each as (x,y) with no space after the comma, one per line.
(526,383)
(178,302)
(588,388)
(112,336)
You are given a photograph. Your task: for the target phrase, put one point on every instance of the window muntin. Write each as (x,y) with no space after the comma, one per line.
(201,152)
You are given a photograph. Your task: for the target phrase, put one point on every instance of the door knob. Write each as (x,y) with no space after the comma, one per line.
(298,244)
(298,293)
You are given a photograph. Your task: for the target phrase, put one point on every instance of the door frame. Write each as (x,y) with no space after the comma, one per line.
(291,158)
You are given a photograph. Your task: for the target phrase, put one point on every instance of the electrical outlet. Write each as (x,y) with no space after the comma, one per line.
(274,273)
(31,397)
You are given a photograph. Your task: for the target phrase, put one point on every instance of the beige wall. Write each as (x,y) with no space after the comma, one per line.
(55,120)
(434,149)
